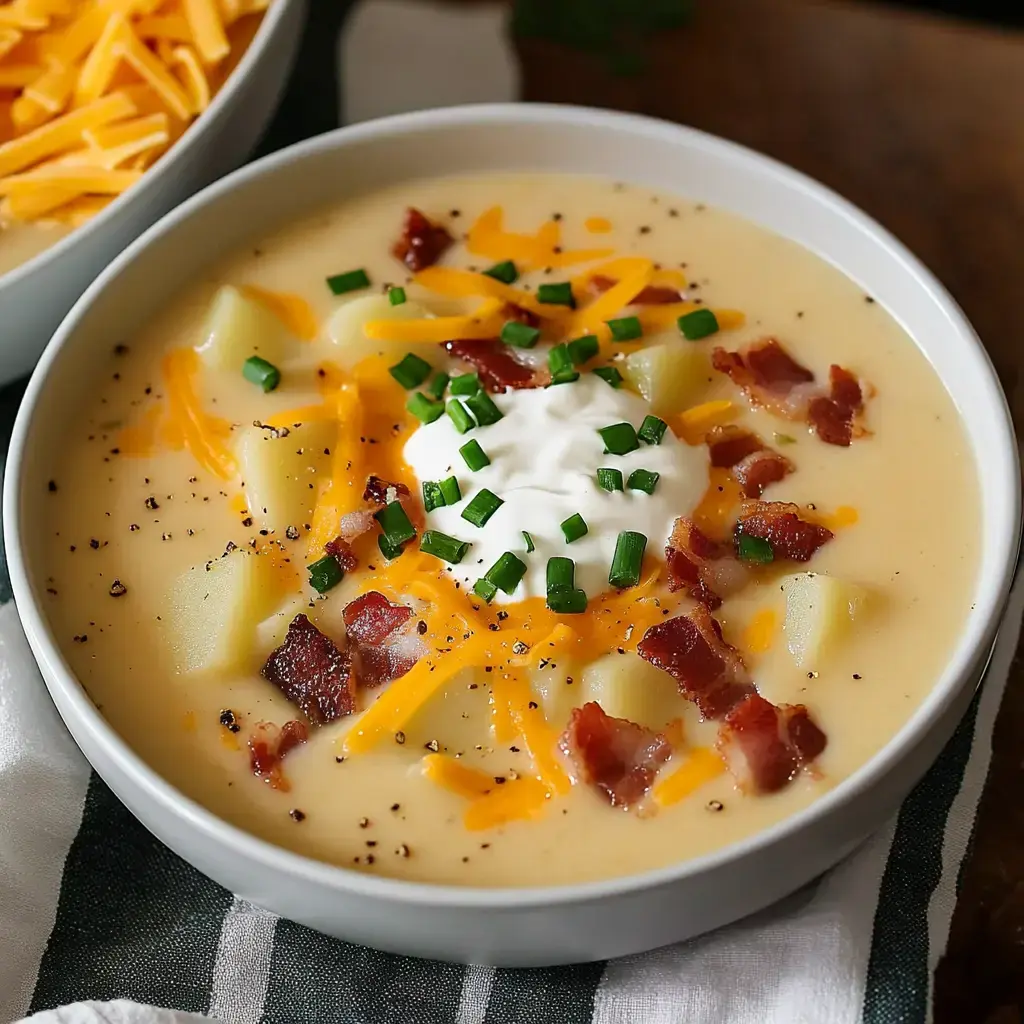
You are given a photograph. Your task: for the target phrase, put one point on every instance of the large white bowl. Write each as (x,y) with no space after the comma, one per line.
(518,926)
(35,296)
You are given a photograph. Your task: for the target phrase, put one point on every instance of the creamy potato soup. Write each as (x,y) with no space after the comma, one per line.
(513,530)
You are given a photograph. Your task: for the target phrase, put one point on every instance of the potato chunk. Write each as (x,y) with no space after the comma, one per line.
(626,686)
(215,608)
(819,611)
(237,328)
(345,329)
(670,375)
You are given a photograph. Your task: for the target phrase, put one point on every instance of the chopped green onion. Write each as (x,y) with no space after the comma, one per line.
(459,416)
(784,438)
(450,490)
(483,408)
(701,323)
(609,479)
(436,387)
(260,372)
(506,572)
(481,507)
(505,272)
(426,410)
(582,349)
(559,360)
(627,328)
(387,549)
(465,384)
(396,296)
(627,560)
(485,588)
(652,430)
(619,439)
(530,546)
(567,602)
(561,573)
(325,573)
(519,335)
(754,549)
(351,281)
(556,294)
(411,371)
(474,456)
(610,375)
(574,527)
(448,549)
(643,480)
(395,523)
(566,377)
(432,496)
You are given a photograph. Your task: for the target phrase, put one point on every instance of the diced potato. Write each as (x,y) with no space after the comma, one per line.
(215,608)
(626,686)
(819,611)
(557,697)
(345,329)
(270,633)
(282,474)
(670,375)
(237,328)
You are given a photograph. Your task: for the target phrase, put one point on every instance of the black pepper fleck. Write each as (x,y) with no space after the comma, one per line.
(296,815)
(117,589)
(151,503)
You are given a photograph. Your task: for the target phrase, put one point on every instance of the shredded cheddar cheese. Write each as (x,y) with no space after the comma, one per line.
(515,800)
(293,310)
(456,777)
(693,424)
(598,225)
(702,765)
(760,633)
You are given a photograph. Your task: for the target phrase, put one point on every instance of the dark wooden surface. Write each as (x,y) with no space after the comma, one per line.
(920,121)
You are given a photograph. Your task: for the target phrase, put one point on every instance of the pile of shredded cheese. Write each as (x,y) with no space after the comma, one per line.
(92,92)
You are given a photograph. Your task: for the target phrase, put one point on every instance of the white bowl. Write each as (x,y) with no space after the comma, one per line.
(519,927)
(35,296)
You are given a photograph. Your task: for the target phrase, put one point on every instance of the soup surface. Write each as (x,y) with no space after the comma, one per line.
(499,691)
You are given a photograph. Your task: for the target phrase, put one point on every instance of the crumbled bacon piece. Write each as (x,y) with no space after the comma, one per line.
(618,757)
(310,670)
(268,746)
(730,444)
(652,295)
(382,646)
(497,367)
(779,523)
(691,649)
(753,463)
(765,745)
(705,569)
(833,416)
(379,491)
(341,551)
(421,243)
(520,315)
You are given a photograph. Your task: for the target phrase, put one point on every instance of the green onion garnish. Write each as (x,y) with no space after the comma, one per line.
(474,456)
(395,523)
(485,588)
(506,572)
(609,479)
(610,375)
(556,294)
(483,408)
(481,507)
(325,573)
(754,549)
(567,602)
(432,496)
(559,360)
(351,281)
(436,387)
(784,438)
(627,328)
(566,377)
(411,371)
(396,296)
(652,430)
(426,410)
(465,384)
(505,272)
(530,546)
(574,527)
(459,416)
(387,549)
(450,490)
(449,549)
(561,573)
(701,323)
(582,349)
(519,335)
(619,439)
(627,560)
(260,372)
(643,480)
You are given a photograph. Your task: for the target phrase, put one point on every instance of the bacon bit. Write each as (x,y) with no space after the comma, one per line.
(702,567)
(652,295)
(268,746)
(341,551)
(312,673)
(778,523)
(384,643)
(421,243)
(522,316)
(379,491)
(766,745)
(499,370)
(833,416)
(615,755)
(753,463)
(729,445)
(691,649)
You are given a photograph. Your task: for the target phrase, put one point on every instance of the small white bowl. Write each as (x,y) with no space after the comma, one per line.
(519,927)
(36,295)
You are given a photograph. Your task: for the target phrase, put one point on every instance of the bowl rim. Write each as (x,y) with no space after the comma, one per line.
(69,694)
(194,131)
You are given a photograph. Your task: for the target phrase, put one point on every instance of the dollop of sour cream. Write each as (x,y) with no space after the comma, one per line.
(545,453)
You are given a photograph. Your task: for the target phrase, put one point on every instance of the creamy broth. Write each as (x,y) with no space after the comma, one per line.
(146,519)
